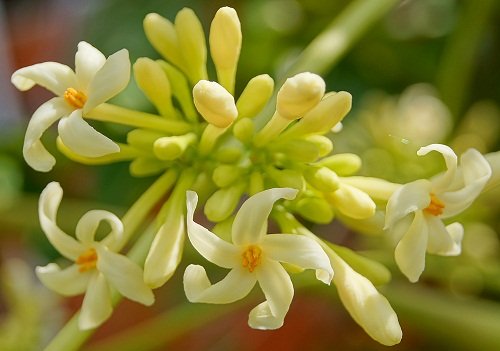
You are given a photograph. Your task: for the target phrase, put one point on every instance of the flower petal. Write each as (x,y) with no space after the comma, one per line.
(208,244)
(235,285)
(34,152)
(476,172)
(68,281)
(53,76)
(88,224)
(96,306)
(410,252)
(124,275)
(250,223)
(111,79)
(88,60)
(442,181)
(409,198)
(441,242)
(50,198)
(365,304)
(83,139)
(278,289)
(298,250)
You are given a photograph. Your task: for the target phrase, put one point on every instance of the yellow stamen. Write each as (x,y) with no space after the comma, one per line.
(436,206)
(75,98)
(251,257)
(87,260)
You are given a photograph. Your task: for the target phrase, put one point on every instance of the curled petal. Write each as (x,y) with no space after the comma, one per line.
(235,285)
(53,76)
(409,198)
(34,152)
(278,289)
(111,79)
(124,275)
(96,306)
(68,281)
(88,224)
(298,250)
(365,304)
(83,139)
(88,60)
(442,181)
(50,198)
(208,244)
(410,252)
(444,241)
(250,223)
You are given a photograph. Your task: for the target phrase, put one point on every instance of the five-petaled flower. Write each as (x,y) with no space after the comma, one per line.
(415,211)
(253,256)
(94,81)
(97,268)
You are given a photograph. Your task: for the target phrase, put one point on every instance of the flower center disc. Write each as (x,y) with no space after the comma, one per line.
(251,257)
(75,98)
(436,206)
(87,260)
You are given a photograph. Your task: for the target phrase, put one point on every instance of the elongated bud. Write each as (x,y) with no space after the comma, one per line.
(323,179)
(172,147)
(342,164)
(352,202)
(255,96)
(225,45)
(314,209)
(223,202)
(228,154)
(244,129)
(256,183)
(146,166)
(287,178)
(225,175)
(299,94)
(203,186)
(143,139)
(214,103)
(323,143)
(324,116)
(376,188)
(162,35)
(191,41)
(297,149)
(152,80)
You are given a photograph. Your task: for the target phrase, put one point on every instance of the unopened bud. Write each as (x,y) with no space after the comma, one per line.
(323,143)
(162,35)
(214,103)
(323,179)
(315,209)
(172,147)
(255,96)
(225,175)
(352,202)
(244,130)
(223,202)
(287,178)
(342,164)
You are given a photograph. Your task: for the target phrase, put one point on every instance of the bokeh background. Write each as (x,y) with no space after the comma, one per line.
(427,72)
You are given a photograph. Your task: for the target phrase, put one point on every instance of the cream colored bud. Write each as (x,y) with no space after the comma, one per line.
(342,164)
(323,179)
(352,202)
(214,103)
(162,35)
(323,143)
(255,96)
(299,94)
(172,147)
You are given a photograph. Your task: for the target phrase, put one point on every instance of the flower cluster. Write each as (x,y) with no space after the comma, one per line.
(210,145)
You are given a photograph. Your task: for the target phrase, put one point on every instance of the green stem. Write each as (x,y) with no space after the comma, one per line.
(457,63)
(334,42)
(125,116)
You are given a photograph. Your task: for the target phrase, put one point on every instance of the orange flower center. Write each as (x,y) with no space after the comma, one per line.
(75,98)
(251,257)
(436,206)
(87,260)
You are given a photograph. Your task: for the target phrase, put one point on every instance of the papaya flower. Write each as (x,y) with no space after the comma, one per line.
(97,270)
(415,212)
(253,256)
(94,81)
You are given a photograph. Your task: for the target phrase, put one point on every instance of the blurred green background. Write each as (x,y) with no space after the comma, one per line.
(427,72)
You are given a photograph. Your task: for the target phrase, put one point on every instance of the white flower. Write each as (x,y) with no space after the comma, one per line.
(94,81)
(415,211)
(97,267)
(253,256)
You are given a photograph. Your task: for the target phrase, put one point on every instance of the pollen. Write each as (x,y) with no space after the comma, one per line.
(251,257)
(436,206)
(75,98)
(87,260)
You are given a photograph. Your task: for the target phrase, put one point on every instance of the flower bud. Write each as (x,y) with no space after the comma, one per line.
(342,164)
(172,147)
(244,130)
(287,178)
(255,96)
(256,184)
(214,103)
(146,166)
(352,202)
(315,209)
(299,94)
(228,154)
(225,175)
(223,202)
(143,138)
(323,143)
(162,35)
(323,179)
